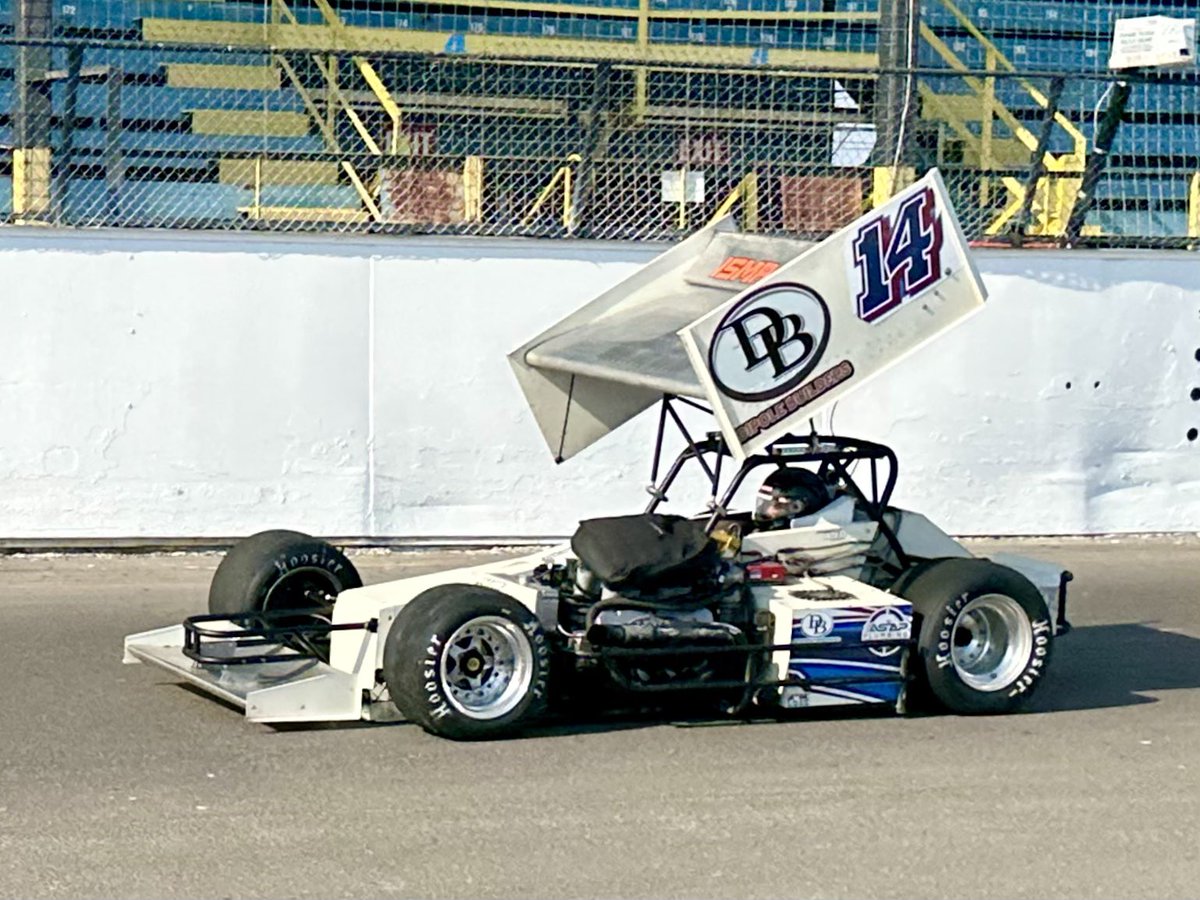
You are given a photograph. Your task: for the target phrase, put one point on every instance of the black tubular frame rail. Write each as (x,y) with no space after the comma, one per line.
(280,634)
(755,680)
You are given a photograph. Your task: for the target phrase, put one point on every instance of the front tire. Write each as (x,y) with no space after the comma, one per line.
(279,570)
(467,663)
(984,635)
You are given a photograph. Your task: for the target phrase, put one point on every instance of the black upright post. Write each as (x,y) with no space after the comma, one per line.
(32,109)
(1097,160)
(595,131)
(1037,166)
(114,159)
(62,172)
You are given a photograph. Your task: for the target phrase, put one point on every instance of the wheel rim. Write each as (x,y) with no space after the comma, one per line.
(992,642)
(487,667)
(292,590)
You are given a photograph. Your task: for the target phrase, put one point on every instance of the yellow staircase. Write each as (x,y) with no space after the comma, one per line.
(328,102)
(995,140)
(323,106)
(242,171)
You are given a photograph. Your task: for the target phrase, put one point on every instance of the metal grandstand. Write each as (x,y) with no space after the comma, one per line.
(640,119)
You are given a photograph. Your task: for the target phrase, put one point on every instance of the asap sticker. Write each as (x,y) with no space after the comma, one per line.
(769,342)
(815,623)
(887,624)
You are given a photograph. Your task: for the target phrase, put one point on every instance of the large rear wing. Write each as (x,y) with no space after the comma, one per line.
(769,331)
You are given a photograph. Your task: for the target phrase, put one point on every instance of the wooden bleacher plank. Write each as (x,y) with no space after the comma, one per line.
(348,215)
(249,121)
(572,9)
(278,171)
(364,40)
(205,75)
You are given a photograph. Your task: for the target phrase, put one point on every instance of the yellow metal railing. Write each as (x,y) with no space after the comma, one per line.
(564,176)
(472,189)
(887,181)
(746,193)
(334,21)
(324,123)
(1055,192)
(337,103)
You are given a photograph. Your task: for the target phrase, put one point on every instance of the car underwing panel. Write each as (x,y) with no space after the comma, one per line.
(305,691)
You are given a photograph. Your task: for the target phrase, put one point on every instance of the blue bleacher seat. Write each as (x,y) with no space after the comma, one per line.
(1140,223)
(153,61)
(127,14)
(798,35)
(309,195)
(1137,185)
(1045,16)
(171,142)
(1033,53)
(1136,139)
(1036,35)
(150,201)
(159,103)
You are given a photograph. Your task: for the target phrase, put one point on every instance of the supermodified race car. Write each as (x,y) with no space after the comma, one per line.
(823,594)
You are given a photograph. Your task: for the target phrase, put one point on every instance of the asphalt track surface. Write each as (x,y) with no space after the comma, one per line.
(116,781)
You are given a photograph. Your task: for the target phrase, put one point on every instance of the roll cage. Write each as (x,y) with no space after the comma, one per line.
(834,455)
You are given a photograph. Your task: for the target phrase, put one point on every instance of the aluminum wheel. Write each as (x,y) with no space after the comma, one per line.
(992,642)
(487,667)
(300,588)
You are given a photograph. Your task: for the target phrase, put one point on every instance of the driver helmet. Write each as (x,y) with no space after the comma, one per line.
(788,494)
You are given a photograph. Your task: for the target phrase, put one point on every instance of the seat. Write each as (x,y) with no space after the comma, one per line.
(648,554)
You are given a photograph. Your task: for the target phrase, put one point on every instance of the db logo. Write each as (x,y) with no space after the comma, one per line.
(815,624)
(769,342)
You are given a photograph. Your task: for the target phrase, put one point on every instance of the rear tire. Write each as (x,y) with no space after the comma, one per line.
(984,636)
(276,570)
(467,663)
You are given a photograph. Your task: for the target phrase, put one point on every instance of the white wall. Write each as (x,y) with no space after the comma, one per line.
(196,385)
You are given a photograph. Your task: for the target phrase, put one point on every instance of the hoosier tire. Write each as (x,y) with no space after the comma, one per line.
(467,663)
(276,570)
(984,635)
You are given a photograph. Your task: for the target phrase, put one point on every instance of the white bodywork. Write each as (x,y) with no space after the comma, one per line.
(767,331)
(680,324)
(349,687)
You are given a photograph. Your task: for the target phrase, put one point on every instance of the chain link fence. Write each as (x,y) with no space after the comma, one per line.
(615,119)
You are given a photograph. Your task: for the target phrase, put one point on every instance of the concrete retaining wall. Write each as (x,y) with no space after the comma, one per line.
(199,385)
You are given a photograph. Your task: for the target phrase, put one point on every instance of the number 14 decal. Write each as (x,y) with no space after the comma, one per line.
(898,257)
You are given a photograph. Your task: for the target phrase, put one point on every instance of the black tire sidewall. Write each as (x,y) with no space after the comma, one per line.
(254,565)
(416,644)
(938,595)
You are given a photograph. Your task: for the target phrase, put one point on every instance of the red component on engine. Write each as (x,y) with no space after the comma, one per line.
(769,571)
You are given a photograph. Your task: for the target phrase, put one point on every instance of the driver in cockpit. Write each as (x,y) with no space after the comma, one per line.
(787,494)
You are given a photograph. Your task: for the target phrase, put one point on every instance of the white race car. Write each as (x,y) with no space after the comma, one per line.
(823,595)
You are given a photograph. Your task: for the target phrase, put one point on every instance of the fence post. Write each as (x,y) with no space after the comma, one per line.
(898,28)
(31,113)
(1097,160)
(1194,206)
(114,158)
(1037,165)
